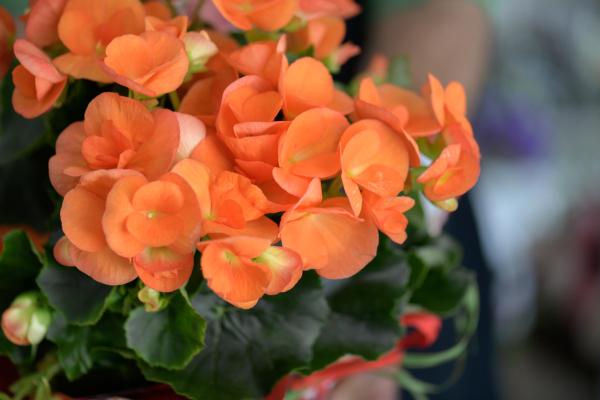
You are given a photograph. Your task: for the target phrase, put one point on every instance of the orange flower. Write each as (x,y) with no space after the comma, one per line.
(374,158)
(388,214)
(378,103)
(268,15)
(86,27)
(330,238)
(157,224)
(229,203)
(308,84)
(325,35)
(7,32)
(38,84)
(266,59)
(153,63)
(309,148)
(176,26)
(329,8)
(243,269)
(41,27)
(84,245)
(118,132)
(456,170)
(420,115)
(245,124)
(203,99)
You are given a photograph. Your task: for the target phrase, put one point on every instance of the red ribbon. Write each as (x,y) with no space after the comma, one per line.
(423,328)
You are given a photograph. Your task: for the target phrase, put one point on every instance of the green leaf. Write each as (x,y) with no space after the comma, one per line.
(24,185)
(248,351)
(72,342)
(79,347)
(19,265)
(441,252)
(365,310)
(443,291)
(18,354)
(20,136)
(77,296)
(169,338)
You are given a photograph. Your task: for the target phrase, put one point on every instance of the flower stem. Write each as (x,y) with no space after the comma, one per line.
(174,97)
(334,188)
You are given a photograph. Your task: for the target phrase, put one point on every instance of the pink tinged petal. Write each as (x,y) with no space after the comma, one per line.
(160,259)
(63,252)
(15,324)
(286,268)
(36,61)
(191,132)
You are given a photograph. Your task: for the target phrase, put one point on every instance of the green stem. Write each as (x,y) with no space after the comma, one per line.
(174,97)
(334,188)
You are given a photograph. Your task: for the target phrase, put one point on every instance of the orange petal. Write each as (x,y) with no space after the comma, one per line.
(388,214)
(435,92)
(262,228)
(36,61)
(158,9)
(153,63)
(176,27)
(158,152)
(286,268)
(165,281)
(82,67)
(306,84)
(197,175)
(25,98)
(456,98)
(293,184)
(118,207)
(68,155)
(330,239)
(161,259)
(273,15)
(106,267)
(233,276)
(63,252)
(269,15)
(81,217)
(309,147)
(375,157)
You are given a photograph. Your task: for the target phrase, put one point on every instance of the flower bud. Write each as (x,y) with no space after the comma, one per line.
(25,322)
(151,299)
(199,48)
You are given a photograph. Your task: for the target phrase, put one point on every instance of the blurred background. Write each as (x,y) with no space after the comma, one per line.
(532,70)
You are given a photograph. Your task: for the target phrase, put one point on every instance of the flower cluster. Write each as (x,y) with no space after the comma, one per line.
(265,166)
